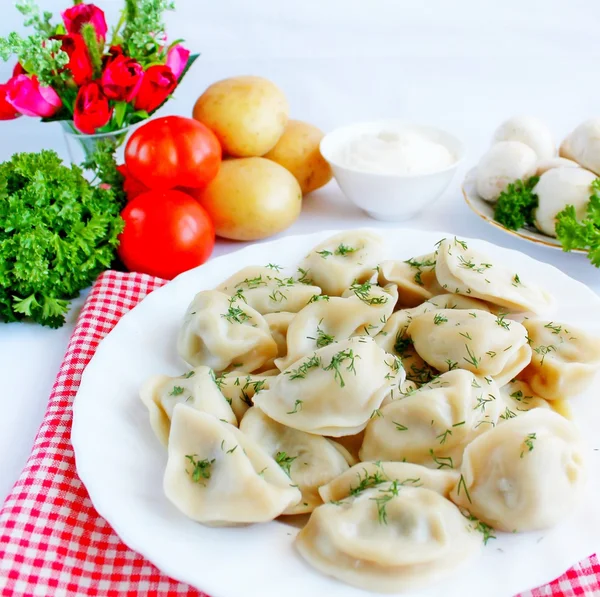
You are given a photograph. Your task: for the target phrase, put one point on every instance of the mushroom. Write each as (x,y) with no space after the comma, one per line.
(545,165)
(583,145)
(528,130)
(558,188)
(504,163)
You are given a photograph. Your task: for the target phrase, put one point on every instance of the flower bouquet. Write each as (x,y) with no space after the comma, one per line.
(75,72)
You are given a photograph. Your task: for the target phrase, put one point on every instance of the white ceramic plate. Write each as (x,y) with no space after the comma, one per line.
(121,462)
(485,211)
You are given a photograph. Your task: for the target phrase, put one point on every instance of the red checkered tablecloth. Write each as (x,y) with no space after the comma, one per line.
(53,542)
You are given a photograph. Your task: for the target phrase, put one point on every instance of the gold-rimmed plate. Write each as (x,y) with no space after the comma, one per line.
(485,211)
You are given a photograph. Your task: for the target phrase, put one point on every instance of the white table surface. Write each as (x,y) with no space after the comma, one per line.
(462,65)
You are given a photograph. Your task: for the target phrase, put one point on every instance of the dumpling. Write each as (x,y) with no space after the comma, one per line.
(389,539)
(335,390)
(217,476)
(415,279)
(524,475)
(196,388)
(279,324)
(433,425)
(463,270)
(352,444)
(518,398)
(558,188)
(267,291)
(239,389)
(545,165)
(366,475)
(454,301)
(504,163)
(583,145)
(309,460)
(531,131)
(394,338)
(364,312)
(343,259)
(221,332)
(565,359)
(480,342)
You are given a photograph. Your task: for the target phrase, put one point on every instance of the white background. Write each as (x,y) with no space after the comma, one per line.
(463,65)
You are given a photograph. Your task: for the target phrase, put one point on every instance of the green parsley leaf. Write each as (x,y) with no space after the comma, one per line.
(515,206)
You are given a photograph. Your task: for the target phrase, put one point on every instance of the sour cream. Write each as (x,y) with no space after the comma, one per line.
(390,152)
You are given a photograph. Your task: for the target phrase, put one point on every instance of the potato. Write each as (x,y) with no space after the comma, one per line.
(298,151)
(251,198)
(248,114)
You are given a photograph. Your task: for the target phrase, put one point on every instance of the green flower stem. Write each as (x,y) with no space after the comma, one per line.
(88,32)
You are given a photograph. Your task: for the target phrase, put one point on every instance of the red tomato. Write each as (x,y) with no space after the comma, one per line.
(173,151)
(166,233)
(132,186)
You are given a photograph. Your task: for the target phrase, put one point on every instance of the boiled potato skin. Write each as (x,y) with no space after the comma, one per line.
(252,198)
(247,114)
(298,151)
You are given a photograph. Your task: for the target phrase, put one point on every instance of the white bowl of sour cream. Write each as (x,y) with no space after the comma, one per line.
(390,169)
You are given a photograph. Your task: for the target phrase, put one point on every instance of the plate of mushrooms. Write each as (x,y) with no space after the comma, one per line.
(531,189)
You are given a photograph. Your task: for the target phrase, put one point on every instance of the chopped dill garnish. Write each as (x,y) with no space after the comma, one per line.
(439,319)
(201,470)
(442,461)
(322,339)
(543,351)
(528,443)
(337,360)
(297,407)
(472,360)
(300,372)
(386,496)
(462,483)
(285,461)
(368,482)
(344,250)
(362,291)
(500,320)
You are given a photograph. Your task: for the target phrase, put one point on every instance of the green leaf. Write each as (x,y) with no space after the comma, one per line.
(515,206)
(25,306)
(188,65)
(585,234)
(119,114)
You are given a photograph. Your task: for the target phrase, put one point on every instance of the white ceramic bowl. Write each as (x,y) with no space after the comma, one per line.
(390,197)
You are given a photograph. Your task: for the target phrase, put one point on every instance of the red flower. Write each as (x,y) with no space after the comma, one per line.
(30,98)
(7,111)
(18,70)
(79,59)
(177,59)
(122,78)
(113,52)
(92,110)
(158,83)
(79,15)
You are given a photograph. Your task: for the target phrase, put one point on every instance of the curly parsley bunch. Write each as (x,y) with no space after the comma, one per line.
(57,233)
(582,234)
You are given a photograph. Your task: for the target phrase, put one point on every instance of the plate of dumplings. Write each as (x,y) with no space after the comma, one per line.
(523,152)
(388,411)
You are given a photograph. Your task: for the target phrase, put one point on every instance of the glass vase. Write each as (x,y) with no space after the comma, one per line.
(81,146)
